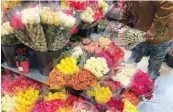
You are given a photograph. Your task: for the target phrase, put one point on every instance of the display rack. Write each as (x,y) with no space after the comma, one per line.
(33,74)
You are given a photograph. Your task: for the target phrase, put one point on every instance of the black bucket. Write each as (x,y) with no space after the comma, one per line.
(170,61)
(9,53)
(45,61)
(86,32)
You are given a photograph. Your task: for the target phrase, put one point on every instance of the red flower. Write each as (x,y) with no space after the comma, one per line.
(113,54)
(68,12)
(116,104)
(71,99)
(16,23)
(92,3)
(74,30)
(48,106)
(98,15)
(142,84)
(78,5)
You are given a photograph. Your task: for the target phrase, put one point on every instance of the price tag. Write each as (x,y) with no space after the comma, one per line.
(20,69)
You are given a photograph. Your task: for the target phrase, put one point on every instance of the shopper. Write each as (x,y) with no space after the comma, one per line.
(156,19)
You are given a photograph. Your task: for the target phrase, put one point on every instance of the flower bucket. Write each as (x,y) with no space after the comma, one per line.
(10,52)
(86,32)
(23,66)
(45,61)
(170,61)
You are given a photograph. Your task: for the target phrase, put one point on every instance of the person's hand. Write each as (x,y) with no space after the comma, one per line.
(148,35)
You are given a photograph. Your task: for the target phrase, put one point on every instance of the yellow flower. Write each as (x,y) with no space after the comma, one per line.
(57,95)
(25,100)
(64,3)
(68,66)
(102,94)
(129,107)
(103,5)
(48,16)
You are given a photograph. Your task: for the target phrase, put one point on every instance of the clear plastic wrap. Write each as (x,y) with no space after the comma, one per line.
(57,24)
(28,28)
(124,74)
(7,33)
(92,13)
(162,100)
(84,107)
(125,36)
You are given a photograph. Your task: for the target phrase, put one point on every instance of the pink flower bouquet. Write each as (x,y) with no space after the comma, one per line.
(142,84)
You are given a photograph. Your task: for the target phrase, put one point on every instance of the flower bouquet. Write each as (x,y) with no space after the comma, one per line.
(57,25)
(48,106)
(130,96)
(115,105)
(142,84)
(129,107)
(6,5)
(129,37)
(97,66)
(124,74)
(93,13)
(113,54)
(125,36)
(8,103)
(25,100)
(7,34)
(100,94)
(14,85)
(28,28)
(9,42)
(82,80)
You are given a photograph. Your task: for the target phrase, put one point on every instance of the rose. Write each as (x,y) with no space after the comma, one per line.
(27,18)
(142,86)
(115,104)
(66,20)
(6,28)
(87,15)
(74,30)
(16,23)
(77,5)
(98,15)
(97,66)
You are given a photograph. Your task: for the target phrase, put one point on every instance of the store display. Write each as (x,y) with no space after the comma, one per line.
(83,74)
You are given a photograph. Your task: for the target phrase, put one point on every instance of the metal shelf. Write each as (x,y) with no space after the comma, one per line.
(33,74)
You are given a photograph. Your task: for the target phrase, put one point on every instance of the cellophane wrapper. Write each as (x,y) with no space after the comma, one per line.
(84,106)
(125,36)
(92,13)
(7,33)
(57,24)
(28,28)
(124,74)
